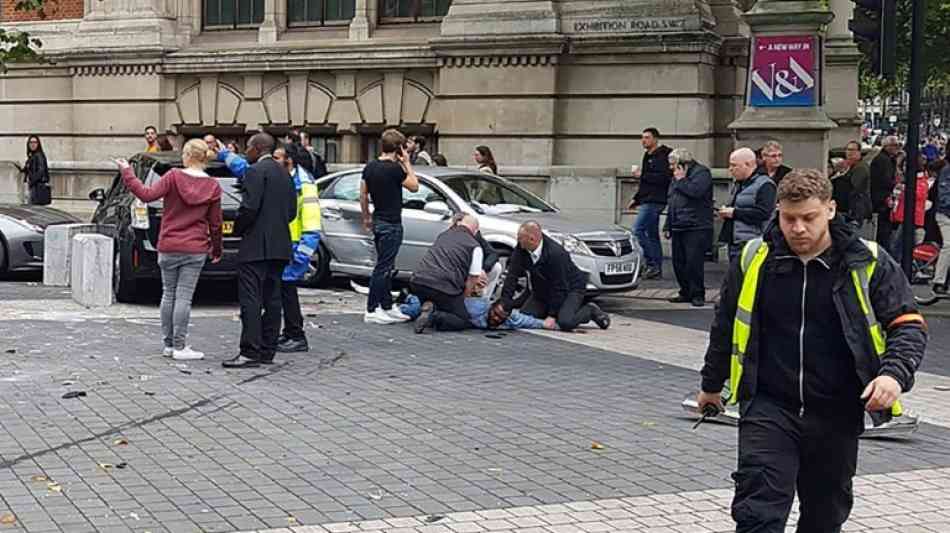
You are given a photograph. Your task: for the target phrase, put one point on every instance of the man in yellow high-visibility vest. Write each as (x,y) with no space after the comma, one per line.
(815,326)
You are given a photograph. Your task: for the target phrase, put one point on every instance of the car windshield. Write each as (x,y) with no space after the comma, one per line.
(492,196)
(230,197)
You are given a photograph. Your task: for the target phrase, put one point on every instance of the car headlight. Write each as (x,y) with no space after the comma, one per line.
(572,244)
(634,245)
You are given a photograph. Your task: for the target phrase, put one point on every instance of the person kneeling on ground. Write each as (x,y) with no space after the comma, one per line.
(451,266)
(558,286)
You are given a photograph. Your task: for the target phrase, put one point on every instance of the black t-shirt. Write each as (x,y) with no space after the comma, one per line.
(384,183)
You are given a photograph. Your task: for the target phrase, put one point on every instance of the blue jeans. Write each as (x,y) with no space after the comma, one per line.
(388,239)
(646,227)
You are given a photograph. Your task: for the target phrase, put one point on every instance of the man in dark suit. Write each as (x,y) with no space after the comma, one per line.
(558,287)
(268,206)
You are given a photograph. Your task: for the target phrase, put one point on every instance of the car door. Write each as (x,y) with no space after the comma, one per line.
(420,228)
(343,233)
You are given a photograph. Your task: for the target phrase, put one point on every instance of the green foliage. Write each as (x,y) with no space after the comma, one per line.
(18,46)
(936,51)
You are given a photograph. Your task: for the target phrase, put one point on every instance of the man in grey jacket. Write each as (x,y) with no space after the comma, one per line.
(752,205)
(689,223)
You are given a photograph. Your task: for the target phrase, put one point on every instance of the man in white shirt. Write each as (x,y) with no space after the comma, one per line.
(451,268)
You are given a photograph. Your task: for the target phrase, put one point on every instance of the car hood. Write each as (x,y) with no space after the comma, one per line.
(561,223)
(37,215)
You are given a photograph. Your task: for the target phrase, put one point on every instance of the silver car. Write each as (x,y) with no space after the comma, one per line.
(608,253)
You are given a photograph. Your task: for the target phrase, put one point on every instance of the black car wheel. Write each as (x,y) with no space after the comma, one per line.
(3,256)
(319,273)
(123,274)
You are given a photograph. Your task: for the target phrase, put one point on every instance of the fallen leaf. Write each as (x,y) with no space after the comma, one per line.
(39,478)
(7,518)
(74,394)
(54,487)
(122,441)
(596,446)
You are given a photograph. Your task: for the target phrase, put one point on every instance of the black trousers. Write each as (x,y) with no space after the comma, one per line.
(450,313)
(572,313)
(885,229)
(259,296)
(689,256)
(781,452)
(293,316)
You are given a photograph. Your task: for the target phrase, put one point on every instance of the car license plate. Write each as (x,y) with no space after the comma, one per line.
(227,227)
(618,268)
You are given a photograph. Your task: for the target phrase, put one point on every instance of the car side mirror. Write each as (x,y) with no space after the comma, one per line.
(438,208)
(98,195)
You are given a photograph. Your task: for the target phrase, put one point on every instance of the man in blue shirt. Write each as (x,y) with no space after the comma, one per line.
(478,309)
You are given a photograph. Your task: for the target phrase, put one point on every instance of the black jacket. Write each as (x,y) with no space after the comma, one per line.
(780,173)
(268,205)
(852,193)
(655,176)
(36,170)
(891,299)
(691,201)
(883,172)
(553,277)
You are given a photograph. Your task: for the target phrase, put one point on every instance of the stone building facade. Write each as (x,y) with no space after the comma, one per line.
(554,82)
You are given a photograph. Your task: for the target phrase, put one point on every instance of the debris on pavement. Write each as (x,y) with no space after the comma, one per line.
(74,394)
(54,487)
(433,518)
(7,518)
(39,478)
(11,350)
(121,441)
(942,388)
(596,446)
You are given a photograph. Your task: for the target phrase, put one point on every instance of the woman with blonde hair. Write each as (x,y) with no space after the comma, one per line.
(190,233)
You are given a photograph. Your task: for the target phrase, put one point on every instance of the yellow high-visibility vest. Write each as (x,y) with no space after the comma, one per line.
(308,211)
(753,257)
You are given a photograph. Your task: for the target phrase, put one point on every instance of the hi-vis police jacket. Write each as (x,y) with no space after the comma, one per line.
(887,335)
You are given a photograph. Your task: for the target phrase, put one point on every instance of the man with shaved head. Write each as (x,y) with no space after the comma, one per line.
(558,287)
(752,204)
(451,269)
(268,205)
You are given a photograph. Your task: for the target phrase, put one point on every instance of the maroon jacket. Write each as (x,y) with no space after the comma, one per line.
(191,218)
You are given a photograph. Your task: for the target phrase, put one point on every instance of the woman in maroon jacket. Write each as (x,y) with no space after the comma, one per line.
(191,231)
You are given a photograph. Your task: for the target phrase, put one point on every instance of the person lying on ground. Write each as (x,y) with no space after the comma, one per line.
(478,308)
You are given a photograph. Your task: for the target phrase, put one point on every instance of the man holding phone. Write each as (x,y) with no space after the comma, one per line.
(689,223)
(383,182)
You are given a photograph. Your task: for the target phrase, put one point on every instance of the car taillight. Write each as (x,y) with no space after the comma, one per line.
(139,214)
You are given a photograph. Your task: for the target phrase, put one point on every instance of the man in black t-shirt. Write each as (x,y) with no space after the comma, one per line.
(383,181)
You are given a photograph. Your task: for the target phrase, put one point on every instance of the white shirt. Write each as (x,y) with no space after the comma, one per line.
(536,254)
(478,256)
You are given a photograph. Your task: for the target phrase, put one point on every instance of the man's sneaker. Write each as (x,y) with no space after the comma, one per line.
(397,314)
(698,301)
(679,299)
(652,273)
(293,346)
(168,351)
(187,354)
(379,317)
(601,318)
(425,318)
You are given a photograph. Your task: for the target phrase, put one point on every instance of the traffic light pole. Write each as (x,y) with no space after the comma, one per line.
(913,136)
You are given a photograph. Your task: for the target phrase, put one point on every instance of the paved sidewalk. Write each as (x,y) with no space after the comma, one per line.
(378,429)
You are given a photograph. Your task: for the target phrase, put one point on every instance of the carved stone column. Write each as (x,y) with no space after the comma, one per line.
(364,20)
(802,125)
(274,23)
(842,58)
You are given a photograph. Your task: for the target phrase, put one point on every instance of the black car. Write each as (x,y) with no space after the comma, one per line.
(137,224)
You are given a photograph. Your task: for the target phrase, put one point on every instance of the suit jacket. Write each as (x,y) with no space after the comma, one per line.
(553,277)
(268,205)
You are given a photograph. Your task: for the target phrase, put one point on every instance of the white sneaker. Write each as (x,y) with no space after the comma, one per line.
(187,354)
(168,351)
(397,314)
(379,317)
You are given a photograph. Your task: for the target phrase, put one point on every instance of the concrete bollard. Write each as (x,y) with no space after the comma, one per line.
(58,249)
(92,263)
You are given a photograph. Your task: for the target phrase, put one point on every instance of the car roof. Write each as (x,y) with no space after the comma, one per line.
(168,159)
